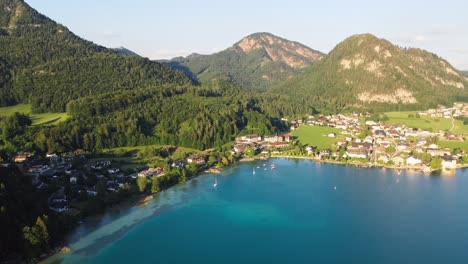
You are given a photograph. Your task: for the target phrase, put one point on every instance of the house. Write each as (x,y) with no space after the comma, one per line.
(433,146)
(73,179)
(412,161)
(398,160)
(253,138)
(150,172)
(448,162)
(357,153)
(51,155)
(380,150)
(273,139)
(380,133)
(383,159)
(20,158)
(341,143)
(324,153)
(287,138)
(238,148)
(180,164)
(435,152)
(194,158)
(310,150)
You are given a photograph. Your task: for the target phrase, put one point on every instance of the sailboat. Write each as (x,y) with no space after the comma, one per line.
(216,182)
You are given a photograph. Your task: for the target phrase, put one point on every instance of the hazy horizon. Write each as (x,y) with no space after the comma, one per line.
(164,30)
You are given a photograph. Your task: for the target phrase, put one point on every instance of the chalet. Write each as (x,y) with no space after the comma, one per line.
(433,146)
(324,153)
(412,161)
(199,160)
(253,138)
(238,148)
(383,159)
(435,152)
(398,160)
(357,153)
(273,138)
(402,146)
(448,162)
(380,133)
(368,139)
(393,133)
(379,150)
(341,143)
(287,138)
(180,164)
(278,145)
(371,123)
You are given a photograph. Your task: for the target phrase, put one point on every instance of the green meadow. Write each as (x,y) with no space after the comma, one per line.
(423,122)
(317,136)
(37,119)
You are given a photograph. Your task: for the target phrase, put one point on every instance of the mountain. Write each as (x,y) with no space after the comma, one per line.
(465,73)
(365,71)
(256,62)
(125,51)
(43,63)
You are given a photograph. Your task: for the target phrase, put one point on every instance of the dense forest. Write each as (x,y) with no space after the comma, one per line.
(43,63)
(191,116)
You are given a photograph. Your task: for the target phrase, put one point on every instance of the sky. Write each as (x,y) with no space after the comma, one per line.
(165,29)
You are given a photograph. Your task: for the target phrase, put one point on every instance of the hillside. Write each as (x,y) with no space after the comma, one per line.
(365,71)
(465,73)
(51,65)
(256,62)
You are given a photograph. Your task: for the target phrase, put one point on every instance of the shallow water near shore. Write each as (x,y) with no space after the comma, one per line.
(298,212)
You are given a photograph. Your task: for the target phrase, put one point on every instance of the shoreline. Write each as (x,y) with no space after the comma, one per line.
(368,165)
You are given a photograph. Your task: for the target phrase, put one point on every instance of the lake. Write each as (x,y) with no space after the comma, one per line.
(299,212)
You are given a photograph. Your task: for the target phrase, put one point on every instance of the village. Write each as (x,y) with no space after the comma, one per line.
(356,140)
(369,143)
(72,178)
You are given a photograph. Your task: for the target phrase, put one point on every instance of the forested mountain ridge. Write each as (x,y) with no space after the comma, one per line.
(256,62)
(43,63)
(125,51)
(365,71)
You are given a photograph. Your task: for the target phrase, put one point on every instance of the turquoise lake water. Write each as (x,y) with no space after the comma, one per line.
(300,212)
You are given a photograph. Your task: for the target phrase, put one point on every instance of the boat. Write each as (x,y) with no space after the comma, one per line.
(253,172)
(273,166)
(215,183)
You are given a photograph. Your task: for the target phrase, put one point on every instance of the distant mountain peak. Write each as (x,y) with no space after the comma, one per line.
(294,54)
(124,51)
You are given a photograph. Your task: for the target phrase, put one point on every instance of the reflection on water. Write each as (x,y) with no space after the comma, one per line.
(293,214)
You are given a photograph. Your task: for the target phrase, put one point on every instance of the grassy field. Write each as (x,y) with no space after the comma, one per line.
(435,124)
(317,136)
(38,119)
(454,144)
